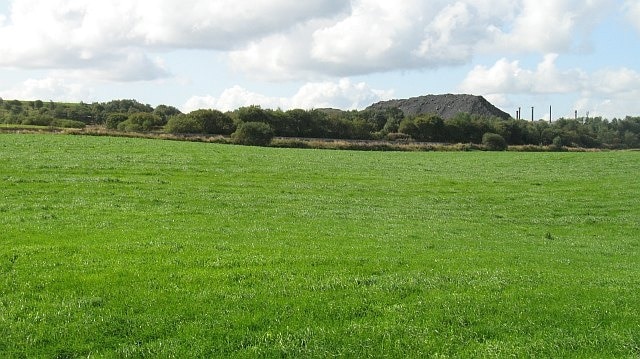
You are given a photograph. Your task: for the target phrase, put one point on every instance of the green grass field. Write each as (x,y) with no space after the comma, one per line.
(127,248)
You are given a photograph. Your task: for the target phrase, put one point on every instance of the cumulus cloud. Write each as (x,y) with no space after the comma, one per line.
(375,36)
(548,26)
(288,39)
(342,94)
(49,88)
(231,99)
(613,92)
(509,77)
(378,36)
(632,9)
(82,34)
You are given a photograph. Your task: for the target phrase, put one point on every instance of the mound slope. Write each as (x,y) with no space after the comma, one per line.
(445,106)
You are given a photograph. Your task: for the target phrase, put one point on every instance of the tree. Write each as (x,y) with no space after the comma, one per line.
(408,127)
(494,142)
(165,112)
(183,124)
(252,114)
(213,121)
(140,122)
(431,127)
(557,144)
(114,119)
(630,139)
(253,134)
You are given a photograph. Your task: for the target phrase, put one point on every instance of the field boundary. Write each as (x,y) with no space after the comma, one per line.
(294,142)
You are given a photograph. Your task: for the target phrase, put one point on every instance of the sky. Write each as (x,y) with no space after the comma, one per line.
(570,55)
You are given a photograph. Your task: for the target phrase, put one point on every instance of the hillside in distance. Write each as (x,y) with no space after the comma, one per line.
(446,106)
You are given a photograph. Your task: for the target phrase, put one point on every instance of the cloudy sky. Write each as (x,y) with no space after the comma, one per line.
(569,54)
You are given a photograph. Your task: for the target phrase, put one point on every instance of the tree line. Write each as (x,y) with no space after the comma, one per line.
(387,124)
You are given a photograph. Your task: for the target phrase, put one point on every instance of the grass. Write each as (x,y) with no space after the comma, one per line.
(128,248)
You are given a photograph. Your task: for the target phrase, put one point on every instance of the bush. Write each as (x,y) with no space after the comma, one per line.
(494,142)
(253,134)
(183,124)
(127,126)
(68,123)
(114,119)
(38,121)
(557,144)
(213,122)
(140,122)
(398,136)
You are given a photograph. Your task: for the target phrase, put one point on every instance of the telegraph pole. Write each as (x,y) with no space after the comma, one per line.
(549,114)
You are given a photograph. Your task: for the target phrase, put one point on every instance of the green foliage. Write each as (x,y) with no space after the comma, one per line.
(430,128)
(127,248)
(557,143)
(126,106)
(140,122)
(494,142)
(183,124)
(213,122)
(68,123)
(165,112)
(114,119)
(398,136)
(252,114)
(253,134)
(336,124)
(38,120)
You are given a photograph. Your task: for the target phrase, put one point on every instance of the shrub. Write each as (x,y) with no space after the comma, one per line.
(38,121)
(127,126)
(114,119)
(494,142)
(253,134)
(183,124)
(557,144)
(140,122)
(213,121)
(68,123)
(398,136)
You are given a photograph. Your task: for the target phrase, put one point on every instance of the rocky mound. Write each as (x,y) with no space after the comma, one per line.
(445,106)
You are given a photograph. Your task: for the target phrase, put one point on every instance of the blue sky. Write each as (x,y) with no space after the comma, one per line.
(568,54)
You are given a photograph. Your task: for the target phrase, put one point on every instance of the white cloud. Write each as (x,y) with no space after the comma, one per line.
(380,35)
(509,77)
(342,94)
(289,39)
(231,99)
(613,92)
(82,34)
(548,26)
(48,88)
(632,10)
(372,32)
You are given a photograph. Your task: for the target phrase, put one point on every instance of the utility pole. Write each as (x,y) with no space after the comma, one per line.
(519,113)
(549,114)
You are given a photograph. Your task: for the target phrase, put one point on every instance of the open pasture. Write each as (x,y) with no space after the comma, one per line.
(118,247)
